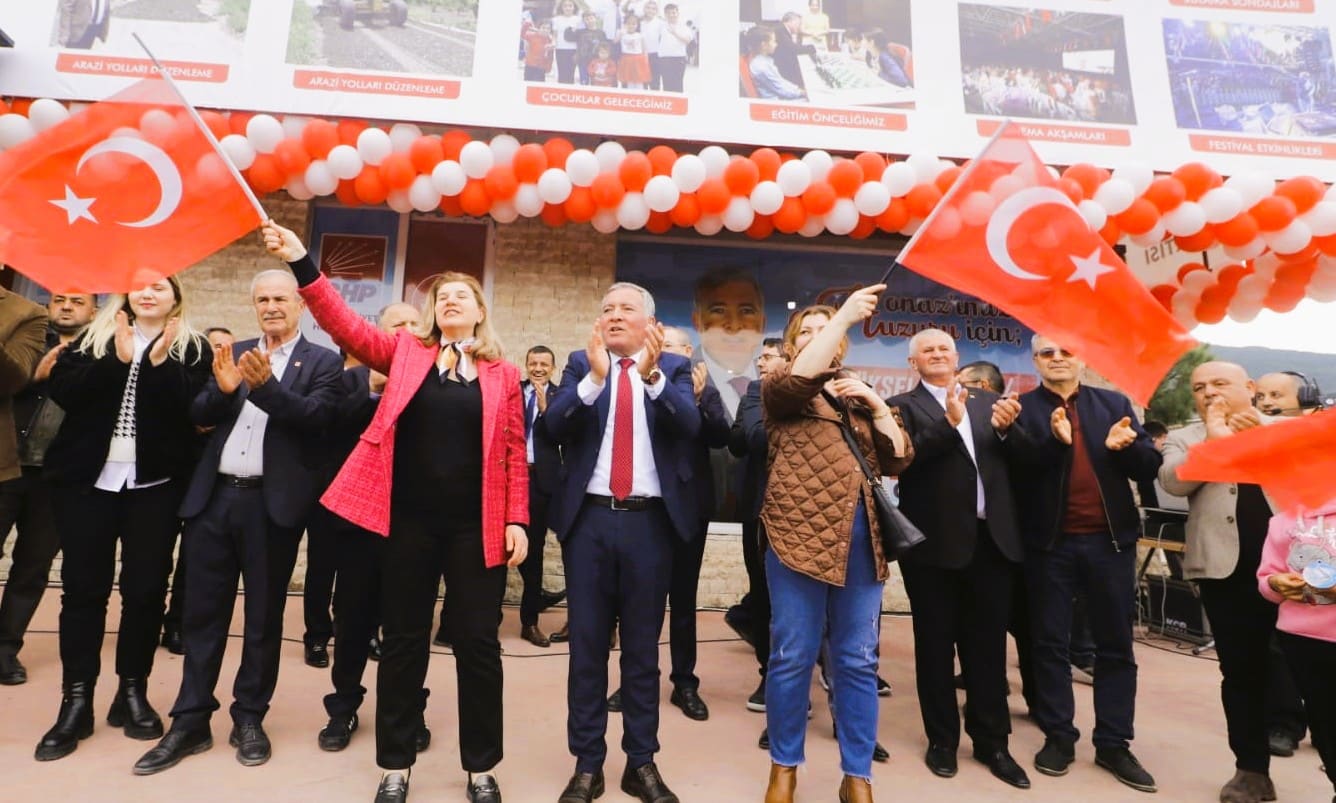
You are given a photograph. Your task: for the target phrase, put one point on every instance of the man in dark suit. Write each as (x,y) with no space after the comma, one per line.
(544,457)
(788,48)
(625,417)
(958,492)
(270,401)
(83,21)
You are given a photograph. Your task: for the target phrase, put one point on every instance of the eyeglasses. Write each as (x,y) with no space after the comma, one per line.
(1049,354)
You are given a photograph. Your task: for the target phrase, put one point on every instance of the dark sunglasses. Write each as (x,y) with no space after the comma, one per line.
(1049,354)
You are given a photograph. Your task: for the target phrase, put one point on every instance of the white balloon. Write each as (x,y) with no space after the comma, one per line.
(399,201)
(293,125)
(605,221)
(1115,195)
(689,172)
(609,155)
(842,218)
(264,133)
(448,177)
(554,186)
(504,212)
(373,145)
(582,167)
(1094,212)
(1244,310)
(476,159)
(1185,219)
(528,201)
(1250,251)
(1150,238)
(739,215)
(46,112)
(715,159)
(794,177)
(503,148)
(1322,292)
(709,225)
(135,133)
(924,165)
(899,178)
(1003,187)
(1321,218)
(403,135)
(238,149)
(633,212)
(819,162)
(320,179)
(1253,286)
(814,226)
(977,207)
(1266,265)
(1184,307)
(1138,174)
(1291,239)
(662,194)
(1329,196)
(767,198)
(872,198)
(297,188)
(1221,204)
(947,224)
(344,161)
(1252,186)
(423,194)
(1198,280)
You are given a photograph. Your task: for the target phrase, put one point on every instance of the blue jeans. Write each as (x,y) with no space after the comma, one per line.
(802,610)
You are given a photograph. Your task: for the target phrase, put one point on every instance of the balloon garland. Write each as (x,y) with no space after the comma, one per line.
(1280,236)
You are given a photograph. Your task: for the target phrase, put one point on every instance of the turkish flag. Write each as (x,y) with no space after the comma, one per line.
(122,194)
(1006,234)
(1293,461)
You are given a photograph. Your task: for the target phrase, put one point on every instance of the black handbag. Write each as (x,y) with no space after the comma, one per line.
(41,430)
(898,533)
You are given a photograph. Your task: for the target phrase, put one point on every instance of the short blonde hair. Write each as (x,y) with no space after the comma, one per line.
(486,346)
(795,324)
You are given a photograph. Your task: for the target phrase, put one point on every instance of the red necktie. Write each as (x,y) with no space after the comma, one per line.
(623,434)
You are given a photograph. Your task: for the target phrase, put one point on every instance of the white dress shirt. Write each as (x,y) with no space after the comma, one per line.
(671,43)
(243,454)
(720,376)
(118,472)
(645,477)
(528,438)
(967,435)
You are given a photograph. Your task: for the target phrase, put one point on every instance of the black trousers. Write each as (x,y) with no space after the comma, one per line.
(655,78)
(531,570)
(687,558)
(176,603)
(1020,630)
(1284,706)
(421,545)
(565,66)
(672,69)
(967,610)
(90,523)
(233,538)
(25,504)
(322,564)
(1313,664)
(758,591)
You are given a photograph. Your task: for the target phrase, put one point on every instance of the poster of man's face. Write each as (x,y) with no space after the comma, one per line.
(729,315)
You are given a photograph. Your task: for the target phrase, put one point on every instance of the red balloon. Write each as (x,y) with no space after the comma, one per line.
(349,130)
(397,171)
(946,178)
(866,225)
(425,153)
(1088,176)
(530,161)
(501,183)
(1229,276)
(741,175)
(1297,274)
(292,157)
(216,123)
(473,199)
(1212,311)
(1238,231)
(896,216)
(713,196)
(873,165)
(635,171)
(1166,192)
(922,199)
(761,228)
(346,192)
(659,223)
(791,215)
(580,206)
(845,177)
(557,149)
(236,121)
(1326,245)
(265,174)
(767,162)
(1200,241)
(1304,191)
(1274,212)
(1071,189)
(450,206)
(662,158)
(1197,179)
(554,214)
(1189,267)
(1111,233)
(1164,293)
(607,190)
(370,186)
(319,137)
(819,198)
(20,106)
(687,211)
(1138,218)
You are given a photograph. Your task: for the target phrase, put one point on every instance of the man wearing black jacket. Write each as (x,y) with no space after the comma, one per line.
(1081,526)
(544,458)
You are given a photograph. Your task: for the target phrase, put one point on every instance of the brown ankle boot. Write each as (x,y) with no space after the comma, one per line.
(1248,787)
(855,790)
(783,780)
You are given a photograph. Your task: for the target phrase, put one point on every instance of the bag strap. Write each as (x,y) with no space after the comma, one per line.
(847,431)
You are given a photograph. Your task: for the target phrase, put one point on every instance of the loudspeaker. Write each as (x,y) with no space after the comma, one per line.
(1310,395)
(1171,608)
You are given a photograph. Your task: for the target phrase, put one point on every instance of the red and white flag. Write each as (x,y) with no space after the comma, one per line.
(1294,461)
(122,194)
(1007,234)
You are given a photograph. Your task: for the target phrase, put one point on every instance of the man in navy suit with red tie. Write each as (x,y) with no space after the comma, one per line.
(625,415)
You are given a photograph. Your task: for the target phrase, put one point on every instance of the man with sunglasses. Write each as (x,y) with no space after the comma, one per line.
(1081,525)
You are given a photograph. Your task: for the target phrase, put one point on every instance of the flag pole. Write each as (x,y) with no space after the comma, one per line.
(208,134)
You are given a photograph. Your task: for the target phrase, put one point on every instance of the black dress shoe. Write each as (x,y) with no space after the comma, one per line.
(534,636)
(645,783)
(393,788)
(941,760)
(689,701)
(615,702)
(317,655)
(1003,767)
(131,710)
(251,743)
(880,754)
(171,639)
(337,733)
(176,745)
(1055,757)
(422,739)
(1126,768)
(12,672)
(373,654)
(441,639)
(483,789)
(764,741)
(547,599)
(583,787)
(1278,742)
(883,688)
(562,635)
(73,722)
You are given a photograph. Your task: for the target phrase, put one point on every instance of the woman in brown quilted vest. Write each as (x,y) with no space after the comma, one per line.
(825,564)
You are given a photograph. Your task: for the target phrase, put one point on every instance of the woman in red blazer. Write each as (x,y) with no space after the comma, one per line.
(441,471)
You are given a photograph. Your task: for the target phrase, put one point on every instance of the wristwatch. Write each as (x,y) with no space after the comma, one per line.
(653,378)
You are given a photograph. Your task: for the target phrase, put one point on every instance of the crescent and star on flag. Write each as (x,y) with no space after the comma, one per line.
(169,180)
(1088,268)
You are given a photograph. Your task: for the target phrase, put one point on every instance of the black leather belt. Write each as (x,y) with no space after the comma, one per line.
(237,481)
(630,503)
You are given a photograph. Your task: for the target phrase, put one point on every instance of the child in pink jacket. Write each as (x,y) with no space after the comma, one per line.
(1298,571)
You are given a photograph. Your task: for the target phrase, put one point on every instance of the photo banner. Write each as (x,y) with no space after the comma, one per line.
(1238,84)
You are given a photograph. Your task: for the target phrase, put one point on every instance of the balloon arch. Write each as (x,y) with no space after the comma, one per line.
(1280,238)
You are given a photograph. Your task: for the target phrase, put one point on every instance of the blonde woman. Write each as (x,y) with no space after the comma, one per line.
(117,466)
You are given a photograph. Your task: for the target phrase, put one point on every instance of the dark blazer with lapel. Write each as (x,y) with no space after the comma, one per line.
(937,490)
(674,423)
(786,56)
(301,407)
(747,440)
(712,440)
(546,451)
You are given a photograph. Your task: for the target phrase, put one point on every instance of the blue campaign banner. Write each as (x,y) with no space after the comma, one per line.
(729,298)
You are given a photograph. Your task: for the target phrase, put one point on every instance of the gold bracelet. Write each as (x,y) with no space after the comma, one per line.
(879,416)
